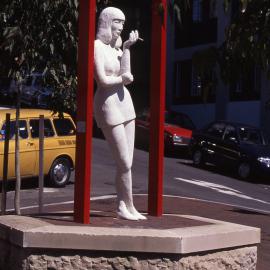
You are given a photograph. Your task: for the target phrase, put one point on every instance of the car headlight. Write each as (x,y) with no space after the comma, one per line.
(265,161)
(177,138)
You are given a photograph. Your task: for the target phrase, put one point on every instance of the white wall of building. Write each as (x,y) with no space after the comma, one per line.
(247,112)
(201,114)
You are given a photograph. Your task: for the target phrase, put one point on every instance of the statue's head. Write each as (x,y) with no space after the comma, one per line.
(105,23)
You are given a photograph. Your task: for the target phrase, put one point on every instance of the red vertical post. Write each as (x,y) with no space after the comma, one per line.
(157,106)
(87,14)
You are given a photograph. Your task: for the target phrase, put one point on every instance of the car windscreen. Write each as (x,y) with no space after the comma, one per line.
(251,135)
(64,127)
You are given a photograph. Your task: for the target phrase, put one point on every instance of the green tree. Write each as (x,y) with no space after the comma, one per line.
(247,40)
(41,36)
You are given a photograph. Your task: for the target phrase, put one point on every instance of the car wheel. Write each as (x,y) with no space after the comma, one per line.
(60,172)
(244,170)
(197,157)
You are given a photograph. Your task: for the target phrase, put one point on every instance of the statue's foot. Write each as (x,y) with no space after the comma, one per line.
(124,213)
(136,214)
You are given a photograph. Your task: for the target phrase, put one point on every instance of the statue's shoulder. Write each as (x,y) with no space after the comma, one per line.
(99,43)
(99,47)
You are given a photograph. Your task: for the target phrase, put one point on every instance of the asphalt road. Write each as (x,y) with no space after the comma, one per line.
(247,203)
(181,178)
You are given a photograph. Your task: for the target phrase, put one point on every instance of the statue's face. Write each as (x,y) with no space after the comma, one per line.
(117,27)
(110,25)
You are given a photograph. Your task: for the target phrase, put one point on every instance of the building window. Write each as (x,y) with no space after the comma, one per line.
(189,87)
(196,88)
(248,87)
(198,26)
(182,80)
(203,10)
(197,11)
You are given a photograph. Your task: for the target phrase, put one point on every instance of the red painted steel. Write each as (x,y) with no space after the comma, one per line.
(157,106)
(87,14)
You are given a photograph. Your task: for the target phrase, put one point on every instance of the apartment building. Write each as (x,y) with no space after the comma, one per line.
(203,26)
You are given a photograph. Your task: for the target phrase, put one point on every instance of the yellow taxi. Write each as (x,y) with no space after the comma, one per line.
(59,144)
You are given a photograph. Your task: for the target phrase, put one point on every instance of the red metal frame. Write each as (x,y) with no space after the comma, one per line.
(157,106)
(85,111)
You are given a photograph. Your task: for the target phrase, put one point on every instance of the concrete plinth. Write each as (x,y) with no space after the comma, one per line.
(30,243)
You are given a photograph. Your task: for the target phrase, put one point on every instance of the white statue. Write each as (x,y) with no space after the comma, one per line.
(113,107)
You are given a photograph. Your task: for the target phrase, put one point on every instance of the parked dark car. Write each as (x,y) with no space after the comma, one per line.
(178,129)
(234,145)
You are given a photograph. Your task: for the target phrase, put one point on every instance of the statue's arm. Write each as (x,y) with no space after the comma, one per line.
(100,76)
(125,61)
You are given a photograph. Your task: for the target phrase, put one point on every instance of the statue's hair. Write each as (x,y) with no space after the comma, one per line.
(105,19)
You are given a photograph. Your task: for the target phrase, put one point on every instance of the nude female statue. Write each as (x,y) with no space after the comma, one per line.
(113,107)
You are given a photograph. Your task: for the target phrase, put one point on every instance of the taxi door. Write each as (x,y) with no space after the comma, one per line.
(50,147)
(27,151)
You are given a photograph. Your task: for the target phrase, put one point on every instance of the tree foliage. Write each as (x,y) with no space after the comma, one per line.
(247,40)
(42,35)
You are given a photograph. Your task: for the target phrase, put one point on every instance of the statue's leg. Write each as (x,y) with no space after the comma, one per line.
(117,140)
(130,135)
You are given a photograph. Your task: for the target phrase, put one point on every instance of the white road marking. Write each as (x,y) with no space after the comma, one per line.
(102,197)
(50,190)
(220,188)
(62,203)
(221,203)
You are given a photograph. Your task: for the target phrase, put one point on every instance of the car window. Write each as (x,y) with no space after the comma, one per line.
(23,133)
(64,127)
(230,134)
(216,130)
(250,135)
(34,128)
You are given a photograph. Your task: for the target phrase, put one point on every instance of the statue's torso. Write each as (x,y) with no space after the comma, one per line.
(112,105)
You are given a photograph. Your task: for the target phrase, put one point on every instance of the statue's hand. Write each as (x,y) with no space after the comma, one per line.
(133,37)
(127,78)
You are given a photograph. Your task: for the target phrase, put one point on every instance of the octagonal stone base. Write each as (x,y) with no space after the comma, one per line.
(28,243)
